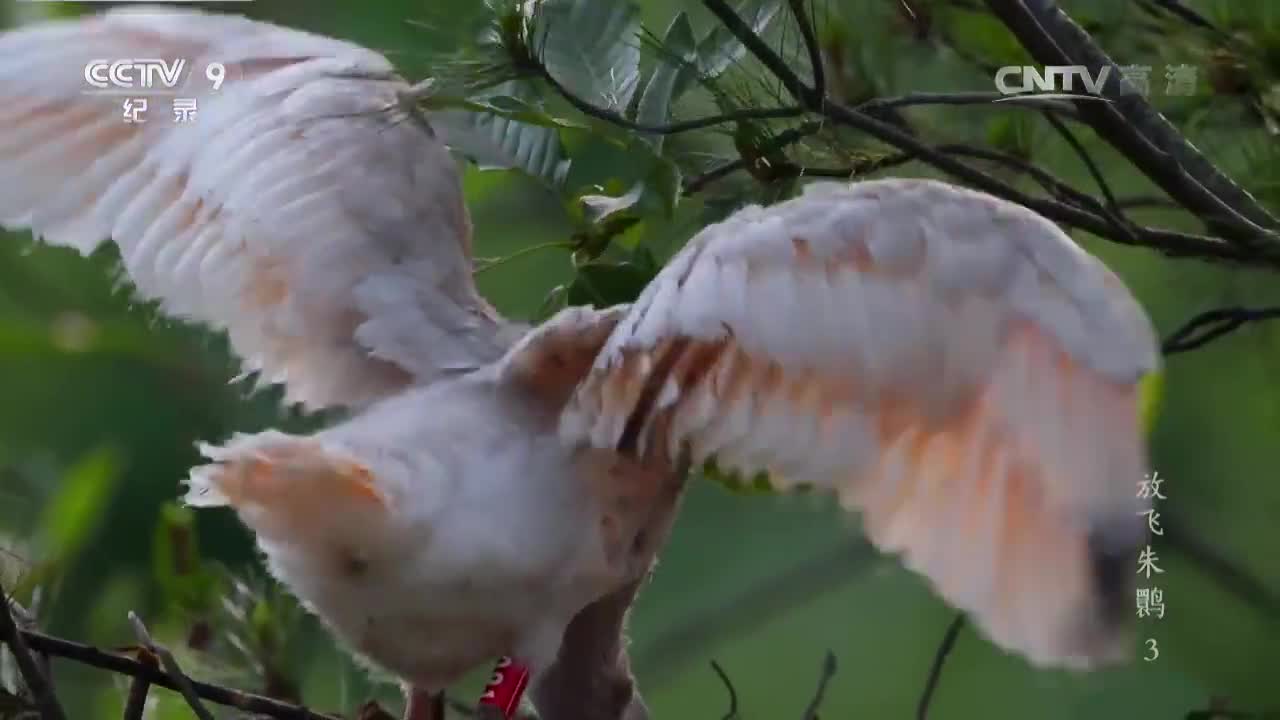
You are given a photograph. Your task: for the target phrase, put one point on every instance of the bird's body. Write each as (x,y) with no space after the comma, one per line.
(948,364)
(463,530)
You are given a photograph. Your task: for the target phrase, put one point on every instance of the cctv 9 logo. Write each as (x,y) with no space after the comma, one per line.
(144,74)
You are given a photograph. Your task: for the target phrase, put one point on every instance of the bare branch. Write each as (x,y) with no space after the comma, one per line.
(171,666)
(1085,158)
(993,99)
(1187,14)
(123,665)
(32,675)
(1213,324)
(732,712)
(139,688)
(939,660)
(820,694)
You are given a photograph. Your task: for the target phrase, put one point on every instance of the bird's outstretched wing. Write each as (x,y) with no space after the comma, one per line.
(302,209)
(950,364)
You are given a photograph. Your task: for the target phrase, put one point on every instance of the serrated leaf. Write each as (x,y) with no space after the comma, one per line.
(493,141)
(680,51)
(591,48)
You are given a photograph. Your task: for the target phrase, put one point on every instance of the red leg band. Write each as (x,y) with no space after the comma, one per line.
(506,687)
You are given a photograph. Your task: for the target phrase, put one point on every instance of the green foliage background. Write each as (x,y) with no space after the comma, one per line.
(103,402)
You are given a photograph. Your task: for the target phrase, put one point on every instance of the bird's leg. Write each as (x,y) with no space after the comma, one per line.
(591,678)
(502,695)
(423,704)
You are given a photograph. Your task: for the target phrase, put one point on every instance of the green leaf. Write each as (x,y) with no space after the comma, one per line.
(495,141)
(591,48)
(659,93)
(605,284)
(657,192)
(718,50)
(662,186)
(72,516)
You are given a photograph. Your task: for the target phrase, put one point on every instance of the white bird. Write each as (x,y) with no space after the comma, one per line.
(949,364)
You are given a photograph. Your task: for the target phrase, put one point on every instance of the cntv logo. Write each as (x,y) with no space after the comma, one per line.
(1053,82)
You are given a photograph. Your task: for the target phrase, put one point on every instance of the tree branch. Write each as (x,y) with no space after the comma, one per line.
(1213,324)
(123,665)
(34,678)
(811,46)
(170,664)
(732,712)
(1180,10)
(824,680)
(1170,242)
(939,660)
(1136,129)
(1059,107)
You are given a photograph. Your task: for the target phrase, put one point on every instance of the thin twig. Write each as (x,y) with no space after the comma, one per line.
(811,46)
(1188,15)
(35,679)
(171,665)
(939,660)
(1232,715)
(1085,158)
(1213,324)
(1109,209)
(828,671)
(1147,201)
(732,712)
(124,665)
(806,96)
(486,264)
(136,704)
(615,118)
(968,98)
(780,141)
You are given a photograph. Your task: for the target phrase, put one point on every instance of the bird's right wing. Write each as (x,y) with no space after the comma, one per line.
(950,364)
(303,209)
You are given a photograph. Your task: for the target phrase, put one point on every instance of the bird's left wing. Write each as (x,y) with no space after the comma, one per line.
(950,364)
(301,207)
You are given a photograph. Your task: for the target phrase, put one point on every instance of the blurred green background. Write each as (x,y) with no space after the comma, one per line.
(103,401)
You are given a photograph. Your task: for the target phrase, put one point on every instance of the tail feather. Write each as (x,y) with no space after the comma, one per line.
(283,485)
